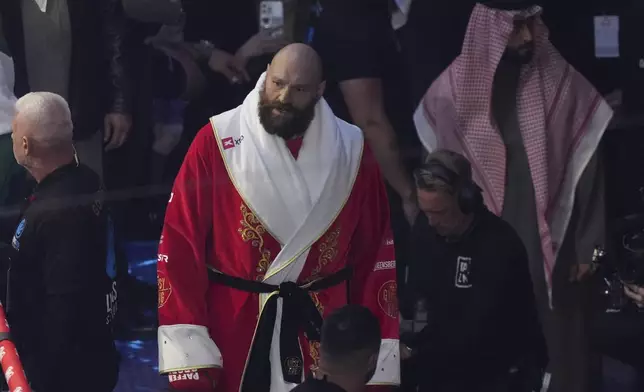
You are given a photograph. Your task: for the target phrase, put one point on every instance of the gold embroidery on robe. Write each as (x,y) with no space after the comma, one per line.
(252,230)
(328,251)
(316,301)
(314,352)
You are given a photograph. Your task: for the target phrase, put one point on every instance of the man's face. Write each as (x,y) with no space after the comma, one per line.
(287,101)
(521,45)
(442,211)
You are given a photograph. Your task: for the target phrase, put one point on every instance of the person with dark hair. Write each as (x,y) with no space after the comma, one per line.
(348,352)
(471,271)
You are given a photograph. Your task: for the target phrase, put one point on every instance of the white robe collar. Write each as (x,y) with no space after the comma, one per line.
(296,200)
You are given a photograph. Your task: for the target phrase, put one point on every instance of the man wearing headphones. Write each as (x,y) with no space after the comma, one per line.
(471,269)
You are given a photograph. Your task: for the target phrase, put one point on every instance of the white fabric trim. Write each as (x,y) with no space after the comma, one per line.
(425,131)
(7,98)
(578,162)
(187,346)
(388,371)
(296,200)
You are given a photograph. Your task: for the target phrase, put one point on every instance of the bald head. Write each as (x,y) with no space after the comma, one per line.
(292,88)
(301,58)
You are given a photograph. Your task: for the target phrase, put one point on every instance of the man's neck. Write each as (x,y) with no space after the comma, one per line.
(42,170)
(347,383)
(461,229)
(466,224)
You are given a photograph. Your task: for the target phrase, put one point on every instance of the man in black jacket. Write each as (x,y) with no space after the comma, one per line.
(471,269)
(74,48)
(348,352)
(60,301)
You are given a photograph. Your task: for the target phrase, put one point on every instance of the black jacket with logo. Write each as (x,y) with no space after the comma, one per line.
(60,299)
(482,319)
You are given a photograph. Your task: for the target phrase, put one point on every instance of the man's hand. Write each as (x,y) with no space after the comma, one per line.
(226,64)
(580,272)
(405,352)
(635,293)
(261,43)
(116,131)
(411,211)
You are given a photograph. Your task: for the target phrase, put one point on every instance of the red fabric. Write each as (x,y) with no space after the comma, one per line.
(294,146)
(554,104)
(207,223)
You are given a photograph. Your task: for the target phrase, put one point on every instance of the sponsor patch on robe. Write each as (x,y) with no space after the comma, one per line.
(165,290)
(385,265)
(388,298)
(228,143)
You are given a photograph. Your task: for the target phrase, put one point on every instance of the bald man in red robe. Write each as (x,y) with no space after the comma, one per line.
(277,217)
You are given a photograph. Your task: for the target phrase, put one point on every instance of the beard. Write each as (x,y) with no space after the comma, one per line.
(289,121)
(521,55)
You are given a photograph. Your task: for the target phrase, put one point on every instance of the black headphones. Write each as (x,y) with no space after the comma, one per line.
(468,193)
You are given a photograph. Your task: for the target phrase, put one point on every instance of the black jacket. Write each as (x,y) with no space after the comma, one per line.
(482,319)
(60,300)
(98,82)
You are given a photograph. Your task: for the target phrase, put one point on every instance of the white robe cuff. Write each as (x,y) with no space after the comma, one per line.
(388,370)
(186,346)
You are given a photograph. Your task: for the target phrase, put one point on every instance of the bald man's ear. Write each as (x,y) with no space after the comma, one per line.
(321,88)
(26,145)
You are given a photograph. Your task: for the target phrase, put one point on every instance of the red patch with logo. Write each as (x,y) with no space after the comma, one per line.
(165,290)
(388,298)
(227,143)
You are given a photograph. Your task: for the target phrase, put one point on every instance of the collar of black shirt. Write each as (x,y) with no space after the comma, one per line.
(52,177)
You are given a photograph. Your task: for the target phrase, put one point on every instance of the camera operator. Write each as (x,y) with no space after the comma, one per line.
(58,285)
(471,269)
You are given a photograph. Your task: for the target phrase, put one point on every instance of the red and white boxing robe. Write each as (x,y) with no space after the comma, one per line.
(243,211)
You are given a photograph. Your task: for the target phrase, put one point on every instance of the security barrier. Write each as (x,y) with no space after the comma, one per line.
(9,359)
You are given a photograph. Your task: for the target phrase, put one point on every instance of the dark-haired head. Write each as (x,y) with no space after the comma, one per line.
(441,183)
(349,347)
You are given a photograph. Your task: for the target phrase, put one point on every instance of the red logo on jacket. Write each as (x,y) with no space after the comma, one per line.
(228,143)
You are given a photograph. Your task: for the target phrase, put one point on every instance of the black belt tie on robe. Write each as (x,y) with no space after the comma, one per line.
(298,313)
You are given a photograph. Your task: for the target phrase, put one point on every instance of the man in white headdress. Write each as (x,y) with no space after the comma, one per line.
(530,124)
